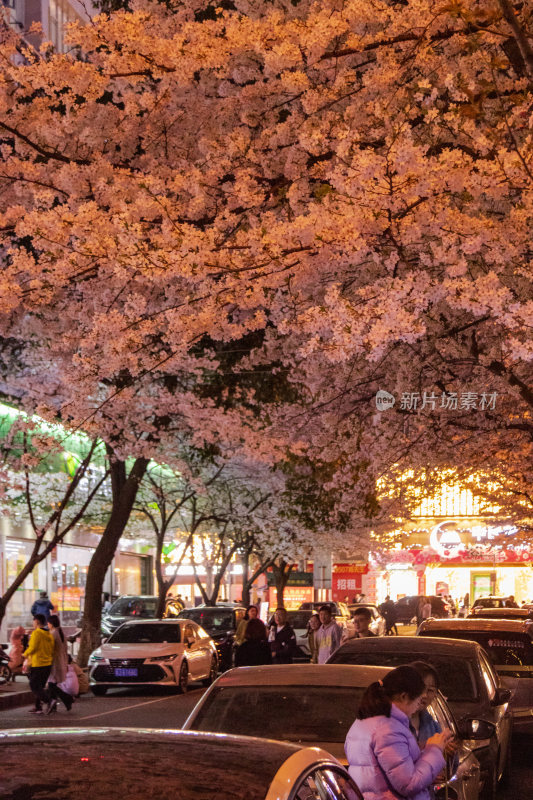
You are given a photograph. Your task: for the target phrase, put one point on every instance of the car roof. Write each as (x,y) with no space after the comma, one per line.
(477,624)
(149,621)
(136,597)
(215,608)
(414,644)
(227,606)
(78,758)
(502,613)
(302,674)
(493,597)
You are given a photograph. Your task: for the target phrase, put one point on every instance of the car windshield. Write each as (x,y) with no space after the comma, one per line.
(490,602)
(505,648)
(290,713)
(134,607)
(146,634)
(210,619)
(456,677)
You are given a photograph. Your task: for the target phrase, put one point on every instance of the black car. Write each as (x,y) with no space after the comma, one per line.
(406,607)
(127,607)
(467,679)
(220,622)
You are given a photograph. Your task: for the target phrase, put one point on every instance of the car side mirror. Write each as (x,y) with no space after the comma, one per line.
(476,729)
(502,696)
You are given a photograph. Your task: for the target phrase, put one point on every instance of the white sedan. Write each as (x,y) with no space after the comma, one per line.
(154,651)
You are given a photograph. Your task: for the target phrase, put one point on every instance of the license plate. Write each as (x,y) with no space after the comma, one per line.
(126,673)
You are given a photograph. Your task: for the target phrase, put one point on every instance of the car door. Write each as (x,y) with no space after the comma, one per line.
(462,768)
(201,651)
(502,712)
(205,645)
(192,654)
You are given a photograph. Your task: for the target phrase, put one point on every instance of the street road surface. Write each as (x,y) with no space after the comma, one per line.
(163,708)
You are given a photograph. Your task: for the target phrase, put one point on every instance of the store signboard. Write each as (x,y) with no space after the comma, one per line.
(293,597)
(347,579)
(474,555)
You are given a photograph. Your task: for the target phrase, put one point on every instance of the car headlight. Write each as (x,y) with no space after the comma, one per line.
(96,657)
(171,657)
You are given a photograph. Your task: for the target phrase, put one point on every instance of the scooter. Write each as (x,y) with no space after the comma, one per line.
(5,670)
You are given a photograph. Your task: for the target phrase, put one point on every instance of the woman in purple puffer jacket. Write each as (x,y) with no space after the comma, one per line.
(383,755)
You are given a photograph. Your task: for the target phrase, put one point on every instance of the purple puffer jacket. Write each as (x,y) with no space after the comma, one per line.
(389,741)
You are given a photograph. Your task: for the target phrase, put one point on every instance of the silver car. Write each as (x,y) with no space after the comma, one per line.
(313,704)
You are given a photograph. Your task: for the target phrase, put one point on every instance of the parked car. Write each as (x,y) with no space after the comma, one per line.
(509,643)
(128,606)
(479,702)
(338,610)
(406,607)
(221,624)
(166,652)
(136,764)
(501,613)
(378,624)
(491,602)
(312,704)
(299,621)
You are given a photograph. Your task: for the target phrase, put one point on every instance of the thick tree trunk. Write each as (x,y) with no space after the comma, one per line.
(162,585)
(124,491)
(246,584)
(282,572)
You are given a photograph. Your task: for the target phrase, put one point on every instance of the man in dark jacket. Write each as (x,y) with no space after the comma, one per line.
(388,610)
(282,638)
(42,606)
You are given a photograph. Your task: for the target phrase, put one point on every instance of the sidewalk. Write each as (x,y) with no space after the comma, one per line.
(14,695)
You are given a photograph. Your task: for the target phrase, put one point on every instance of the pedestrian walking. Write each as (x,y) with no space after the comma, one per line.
(58,673)
(251,638)
(66,690)
(43,605)
(40,654)
(383,755)
(426,610)
(16,650)
(312,627)
(282,638)
(328,636)
(388,610)
(106,605)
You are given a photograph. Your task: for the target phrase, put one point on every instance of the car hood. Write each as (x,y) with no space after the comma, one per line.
(139,650)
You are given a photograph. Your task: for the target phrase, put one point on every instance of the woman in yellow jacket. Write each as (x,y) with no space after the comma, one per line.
(40,654)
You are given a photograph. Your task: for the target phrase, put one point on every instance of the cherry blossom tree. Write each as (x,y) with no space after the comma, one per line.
(350,181)
(52,502)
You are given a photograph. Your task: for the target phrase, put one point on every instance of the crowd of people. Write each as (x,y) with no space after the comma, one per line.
(395,748)
(43,656)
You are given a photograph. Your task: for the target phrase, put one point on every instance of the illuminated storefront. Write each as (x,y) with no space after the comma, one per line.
(63,574)
(450,548)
